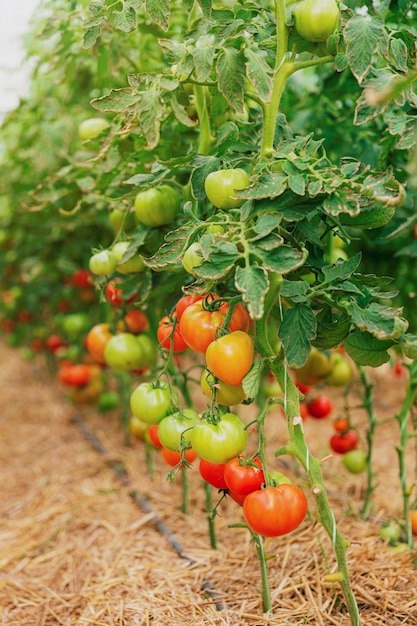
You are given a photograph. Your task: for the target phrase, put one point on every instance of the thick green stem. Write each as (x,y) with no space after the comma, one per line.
(266,592)
(206,138)
(210,517)
(185,491)
(368,405)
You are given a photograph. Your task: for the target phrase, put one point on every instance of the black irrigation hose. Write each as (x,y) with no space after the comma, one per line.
(120,470)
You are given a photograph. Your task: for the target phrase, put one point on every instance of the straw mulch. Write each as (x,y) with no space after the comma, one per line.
(89,537)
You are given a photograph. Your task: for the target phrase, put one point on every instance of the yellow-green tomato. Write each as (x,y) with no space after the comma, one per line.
(124,353)
(103,263)
(316,20)
(221,187)
(133,264)
(192,258)
(92,127)
(228,395)
(175,430)
(157,206)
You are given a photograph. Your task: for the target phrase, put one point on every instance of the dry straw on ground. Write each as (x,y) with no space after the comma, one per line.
(82,545)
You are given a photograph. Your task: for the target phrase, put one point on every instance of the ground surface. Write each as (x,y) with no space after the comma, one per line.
(83,544)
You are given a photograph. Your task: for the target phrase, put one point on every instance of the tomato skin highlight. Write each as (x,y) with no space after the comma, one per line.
(275,511)
(220,441)
(243,478)
(230,357)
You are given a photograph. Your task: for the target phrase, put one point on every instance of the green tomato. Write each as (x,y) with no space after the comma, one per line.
(108,400)
(316,20)
(220,441)
(278,478)
(149,349)
(157,206)
(74,324)
(92,127)
(221,187)
(176,428)
(341,372)
(134,263)
(150,403)
(103,263)
(192,258)
(124,353)
(355,461)
(390,532)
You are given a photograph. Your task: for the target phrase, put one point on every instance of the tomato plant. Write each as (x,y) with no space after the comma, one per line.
(275,511)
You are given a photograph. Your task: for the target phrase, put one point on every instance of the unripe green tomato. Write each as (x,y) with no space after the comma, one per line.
(151,404)
(192,258)
(108,400)
(278,478)
(316,20)
(228,395)
(103,263)
(92,127)
(221,187)
(176,428)
(390,532)
(132,265)
(215,229)
(157,206)
(341,372)
(124,353)
(355,461)
(149,349)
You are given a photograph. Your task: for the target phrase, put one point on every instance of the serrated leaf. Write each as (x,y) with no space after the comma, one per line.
(341,62)
(291,288)
(151,110)
(231,78)
(257,71)
(181,112)
(252,282)
(203,56)
(377,319)
(250,383)
(205,7)
(90,36)
(125,20)
(265,224)
(283,259)
(117,101)
(297,184)
(342,269)
(159,12)
(267,186)
(298,328)
(332,328)
(399,54)
(221,257)
(362,34)
(203,166)
(170,253)
(367,350)
(227,136)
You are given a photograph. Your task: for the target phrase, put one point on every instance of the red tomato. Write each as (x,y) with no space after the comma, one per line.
(76,375)
(136,321)
(168,333)
(303,388)
(213,473)
(185,302)
(230,357)
(54,342)
(152,431)
(320,407)
(343,442)
(341,424)
(82,279)
(173,458)
(199,326)
(115,294)
(275,511)
(242,476)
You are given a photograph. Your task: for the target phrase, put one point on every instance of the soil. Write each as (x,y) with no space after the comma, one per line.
(91,536)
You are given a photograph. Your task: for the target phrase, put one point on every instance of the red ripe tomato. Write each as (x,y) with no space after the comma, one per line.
(54,342)
(341,424)
(242,476)
(82,279)
(199,325)
(320,407)
(168,334)
(237,497)
(275,511)
(152,432)
(115,294)
(304,389)
(213,473)
(343,442)
(136,321)
(76,375)
(173,458)
(230,357)
(185,302)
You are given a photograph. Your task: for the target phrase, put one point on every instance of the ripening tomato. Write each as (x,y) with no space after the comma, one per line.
(316,20)
(96,340)
(175,429)
(115,295)
(221,440)
(152,433)
(413,520)
(151,403)
(243,475)
(82,279)
(343,442)
(137,428)
(185,302)
(157,206)
(173,458)
(275,511)
(54,342)
(213,473)
(199,324)
(321,406)
(74,375)
(169,335)
(230,357)
(228,395)
(136,321)
(221,187)
(123,353)
(341,424)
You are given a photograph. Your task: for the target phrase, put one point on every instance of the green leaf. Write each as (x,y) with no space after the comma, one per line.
(342,269)
(203,166)
(294,288)
(283,259)
(332,328)
(362,34)
(170,253)
(219,258)
(257,70)
(377,319)
(181,112)
(267,186)
(151,111)
(297,184)
(231,78)
(159,12)
(252,282)
(90,36)
(365,349)
(399,54)
(203,56)
(227,136)
(117,101)
(125,19)
(250,383)
(205,7)
(297,329)
(266,224)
